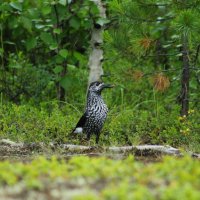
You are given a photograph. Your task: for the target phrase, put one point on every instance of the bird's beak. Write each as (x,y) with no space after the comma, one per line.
(107,86)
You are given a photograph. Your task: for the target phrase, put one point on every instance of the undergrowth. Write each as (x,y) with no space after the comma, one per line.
(124,125)
(128,179)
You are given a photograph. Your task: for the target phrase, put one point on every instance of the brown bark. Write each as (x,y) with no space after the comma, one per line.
(60,89)
(184,97)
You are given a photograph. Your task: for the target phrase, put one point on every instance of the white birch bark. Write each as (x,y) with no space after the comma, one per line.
(96,54)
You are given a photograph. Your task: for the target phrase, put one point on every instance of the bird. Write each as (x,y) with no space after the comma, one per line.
(95,114)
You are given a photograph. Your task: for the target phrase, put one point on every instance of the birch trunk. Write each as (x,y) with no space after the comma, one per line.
(96,55)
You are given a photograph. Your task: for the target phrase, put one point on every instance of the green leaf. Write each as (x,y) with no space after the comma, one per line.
(167,45)
(63,2)
(53,46)
(78,56)
(39,26)
(46,10)
(16,5)
(193,85)
(66,82)
(94,9)
(58,59)
(31,43)
(75,22)
(179,55)
(27,23)
(57,30)
(16,66)
(58,69)
(102,21)
(63,53)
(9,42)
(1,51)
(72,67)
(47,38)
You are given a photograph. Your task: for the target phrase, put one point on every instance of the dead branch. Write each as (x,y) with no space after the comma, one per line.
(8,146)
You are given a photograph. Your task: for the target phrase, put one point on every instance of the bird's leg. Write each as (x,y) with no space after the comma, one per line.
(88,139)
(97,138)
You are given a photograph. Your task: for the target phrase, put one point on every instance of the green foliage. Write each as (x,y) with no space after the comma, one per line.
(187,22)
(128,179)
(46,34)
(148,35)
(25,123)
(133,127)
(124,125)
(44,46)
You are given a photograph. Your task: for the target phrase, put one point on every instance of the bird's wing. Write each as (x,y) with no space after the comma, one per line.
(81,123)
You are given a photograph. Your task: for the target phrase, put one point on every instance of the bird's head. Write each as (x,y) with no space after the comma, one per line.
(97,86)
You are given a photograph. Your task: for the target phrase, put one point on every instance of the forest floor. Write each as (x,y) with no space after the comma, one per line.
(59,189)
(23,152)
(28,172)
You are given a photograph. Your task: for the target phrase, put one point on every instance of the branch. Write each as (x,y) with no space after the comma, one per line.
(153,4)
(148,20)
(162,54)
(168,70)
(156,72)
(197,54)
(197,79)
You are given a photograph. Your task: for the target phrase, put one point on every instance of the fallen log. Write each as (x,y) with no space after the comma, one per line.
(70,149)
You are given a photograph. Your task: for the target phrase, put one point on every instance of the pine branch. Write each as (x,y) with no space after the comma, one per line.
(162,54)
(148,20)
(160,71)
(197,54)
(141,3)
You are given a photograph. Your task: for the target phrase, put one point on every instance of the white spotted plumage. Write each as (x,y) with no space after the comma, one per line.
(95,113)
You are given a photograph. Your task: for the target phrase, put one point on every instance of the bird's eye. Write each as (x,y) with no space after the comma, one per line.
(97,84)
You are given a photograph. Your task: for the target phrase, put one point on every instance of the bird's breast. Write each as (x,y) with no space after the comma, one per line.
(97,112)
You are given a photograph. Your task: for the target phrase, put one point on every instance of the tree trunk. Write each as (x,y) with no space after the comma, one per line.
(96,55)
(60,89)
(60,93)
(184,97)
